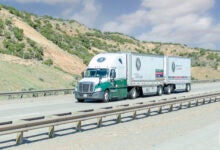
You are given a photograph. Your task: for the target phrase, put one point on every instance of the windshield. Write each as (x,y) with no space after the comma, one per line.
(97,73)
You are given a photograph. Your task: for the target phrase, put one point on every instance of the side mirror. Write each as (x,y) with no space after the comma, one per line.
(82,74)
(114,74)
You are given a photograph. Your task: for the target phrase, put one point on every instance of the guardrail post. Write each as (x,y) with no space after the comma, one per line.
(215,99)
(210,100)
(197,102)
(203,101)
(118,120)
(78,126)
(99,123)
(19,138)
(189,104)
(51,132)
(160,110)
(181,105)
(134,114)
(171,108)
(148,112)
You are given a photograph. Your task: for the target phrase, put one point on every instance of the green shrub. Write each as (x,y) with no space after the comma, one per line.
(202,52)
(8,22)
(8,35)
(41,79)
(2,26)
(18,33)
(48,62)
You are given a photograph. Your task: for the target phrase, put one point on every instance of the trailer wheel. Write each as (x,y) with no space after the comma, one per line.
(106,96)
(133,93)
(188,87)
(167,89)
(159,91)
(80,100)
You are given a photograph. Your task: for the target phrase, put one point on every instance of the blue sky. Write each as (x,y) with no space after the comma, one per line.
(192,22)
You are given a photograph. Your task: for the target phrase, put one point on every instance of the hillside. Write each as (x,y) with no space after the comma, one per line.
(68,46)
(23,75)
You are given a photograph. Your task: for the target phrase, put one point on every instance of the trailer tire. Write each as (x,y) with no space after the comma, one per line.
(188,87)
(133,93)
(80,100)
(167,89)
(159,90)
(106,97)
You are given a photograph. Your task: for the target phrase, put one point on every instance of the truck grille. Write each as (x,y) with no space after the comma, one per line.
(85,87)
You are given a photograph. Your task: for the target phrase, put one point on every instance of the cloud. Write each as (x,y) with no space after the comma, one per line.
(84,11)
(126,23)
(87,15)
(179,21)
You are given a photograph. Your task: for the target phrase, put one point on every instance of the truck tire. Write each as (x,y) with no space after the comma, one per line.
(159,90)
(188,87)
(133,93)
(106,97)
(167,89)
(80,100)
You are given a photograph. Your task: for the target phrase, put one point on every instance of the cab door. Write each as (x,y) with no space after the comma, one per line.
(113,80)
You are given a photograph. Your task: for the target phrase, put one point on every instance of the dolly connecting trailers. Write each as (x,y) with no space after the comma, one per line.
(122,75)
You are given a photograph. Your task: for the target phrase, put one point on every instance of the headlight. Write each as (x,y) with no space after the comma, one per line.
(98,89)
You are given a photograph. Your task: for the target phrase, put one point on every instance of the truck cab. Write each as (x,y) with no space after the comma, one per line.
(104,79)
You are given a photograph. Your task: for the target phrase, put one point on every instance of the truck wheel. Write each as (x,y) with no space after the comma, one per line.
(133,93)
(80,100)
(159,91)
(106,96)
(167,89)
(188,87)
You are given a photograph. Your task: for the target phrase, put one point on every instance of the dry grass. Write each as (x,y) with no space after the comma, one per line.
(204,73)
(17,76)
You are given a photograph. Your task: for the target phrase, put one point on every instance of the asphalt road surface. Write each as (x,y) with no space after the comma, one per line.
(193,128)
(43,106)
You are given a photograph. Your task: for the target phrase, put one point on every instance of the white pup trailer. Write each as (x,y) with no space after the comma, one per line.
(121,75)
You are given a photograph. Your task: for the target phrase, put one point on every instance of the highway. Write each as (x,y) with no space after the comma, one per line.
(193,128)
(44,106)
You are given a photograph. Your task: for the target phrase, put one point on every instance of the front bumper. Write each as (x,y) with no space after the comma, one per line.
(95,95)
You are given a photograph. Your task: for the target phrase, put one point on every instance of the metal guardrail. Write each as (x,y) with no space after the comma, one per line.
(38,93)
(80,116)
(205,81)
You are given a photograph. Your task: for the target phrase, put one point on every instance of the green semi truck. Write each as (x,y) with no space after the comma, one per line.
(130,75)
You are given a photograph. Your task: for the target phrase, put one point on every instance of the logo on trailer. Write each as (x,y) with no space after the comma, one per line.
(138,64)
(173,67)
(101,59)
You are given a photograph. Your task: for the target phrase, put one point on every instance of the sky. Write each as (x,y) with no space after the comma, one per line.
(192,22)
